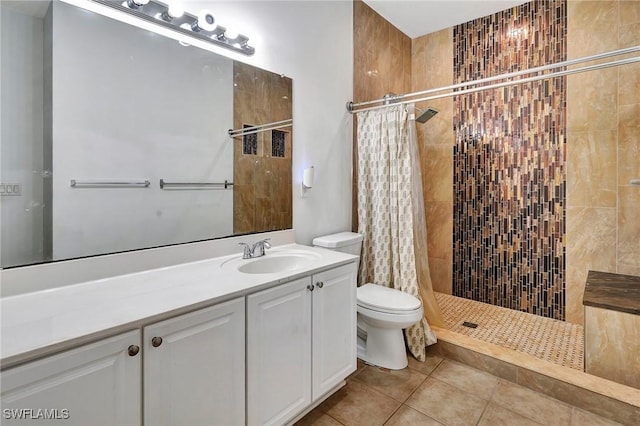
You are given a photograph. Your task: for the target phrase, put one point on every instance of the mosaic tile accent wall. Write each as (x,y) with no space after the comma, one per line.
(509,163)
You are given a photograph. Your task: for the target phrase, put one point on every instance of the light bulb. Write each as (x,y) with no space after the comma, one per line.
(205,22)
(230,34)
(174,11)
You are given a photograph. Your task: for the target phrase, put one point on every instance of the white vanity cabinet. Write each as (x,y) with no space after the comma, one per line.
(334,327)
(95,384)
(194,367)
(301,343)
(264,357)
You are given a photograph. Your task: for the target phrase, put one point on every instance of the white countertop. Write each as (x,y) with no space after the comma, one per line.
(44,322)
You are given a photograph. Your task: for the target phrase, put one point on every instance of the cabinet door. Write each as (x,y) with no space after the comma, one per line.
(334,327)
(278,353)
(95,384)
(194,368)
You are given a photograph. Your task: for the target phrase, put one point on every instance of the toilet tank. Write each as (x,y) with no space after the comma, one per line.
(347,242)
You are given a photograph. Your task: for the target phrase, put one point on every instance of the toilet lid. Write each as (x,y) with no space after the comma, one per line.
(378,297)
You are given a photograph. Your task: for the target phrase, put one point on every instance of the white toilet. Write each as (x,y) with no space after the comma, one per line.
(382,312)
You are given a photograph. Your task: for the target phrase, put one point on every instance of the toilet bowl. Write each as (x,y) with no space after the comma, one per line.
(382,312)
(382,315)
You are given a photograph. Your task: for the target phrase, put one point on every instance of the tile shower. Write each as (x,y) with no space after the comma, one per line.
(564,149)
(509,163)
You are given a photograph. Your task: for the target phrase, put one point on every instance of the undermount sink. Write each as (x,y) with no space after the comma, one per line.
(272,263)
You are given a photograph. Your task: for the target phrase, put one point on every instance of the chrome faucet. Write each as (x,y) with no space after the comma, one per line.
(250,251)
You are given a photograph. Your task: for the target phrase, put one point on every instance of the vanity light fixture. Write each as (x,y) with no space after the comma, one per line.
(171,15)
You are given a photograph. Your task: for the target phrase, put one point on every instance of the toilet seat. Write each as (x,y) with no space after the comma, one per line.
(384,299)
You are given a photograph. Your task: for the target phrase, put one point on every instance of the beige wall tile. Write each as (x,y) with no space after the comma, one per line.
(593,27)
(439,229)
(629,12)
(438,130)
(628,154)
(591,245)
(437,172)
(243,206)
(629,84)
(592,100)
(362,18)
(396,79)
(629,35)
(591,168)
(439,58)
(629,116)
(612,345)
(433,60)
(629,226)
(243,169)
(418,62)
(441,274)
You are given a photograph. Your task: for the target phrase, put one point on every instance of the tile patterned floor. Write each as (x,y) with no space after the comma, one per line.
(545,338)
(441,392)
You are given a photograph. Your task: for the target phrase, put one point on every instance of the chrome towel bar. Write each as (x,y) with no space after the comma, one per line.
(195,185)
(109,184)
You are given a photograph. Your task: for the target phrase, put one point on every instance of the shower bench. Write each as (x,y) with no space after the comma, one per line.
(612,326)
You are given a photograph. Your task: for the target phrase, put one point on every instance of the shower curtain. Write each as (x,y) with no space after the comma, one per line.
(387,202)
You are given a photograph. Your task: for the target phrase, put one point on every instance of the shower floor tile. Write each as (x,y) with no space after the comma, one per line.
(545,338)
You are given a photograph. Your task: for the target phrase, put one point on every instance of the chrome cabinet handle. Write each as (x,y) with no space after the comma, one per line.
(156,341)
(319,284)
(310,287)
(133,350)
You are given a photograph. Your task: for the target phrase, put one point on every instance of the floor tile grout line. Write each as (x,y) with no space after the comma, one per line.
(484,410)
(527,416)
(416,389)
(459,388)
(392,414)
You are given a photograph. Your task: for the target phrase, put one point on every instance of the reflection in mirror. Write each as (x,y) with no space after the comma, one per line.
(116,109)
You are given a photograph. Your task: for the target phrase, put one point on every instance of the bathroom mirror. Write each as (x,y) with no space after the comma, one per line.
(115,138)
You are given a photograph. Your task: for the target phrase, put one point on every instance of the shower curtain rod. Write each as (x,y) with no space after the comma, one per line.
(398,99)
(261,128)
